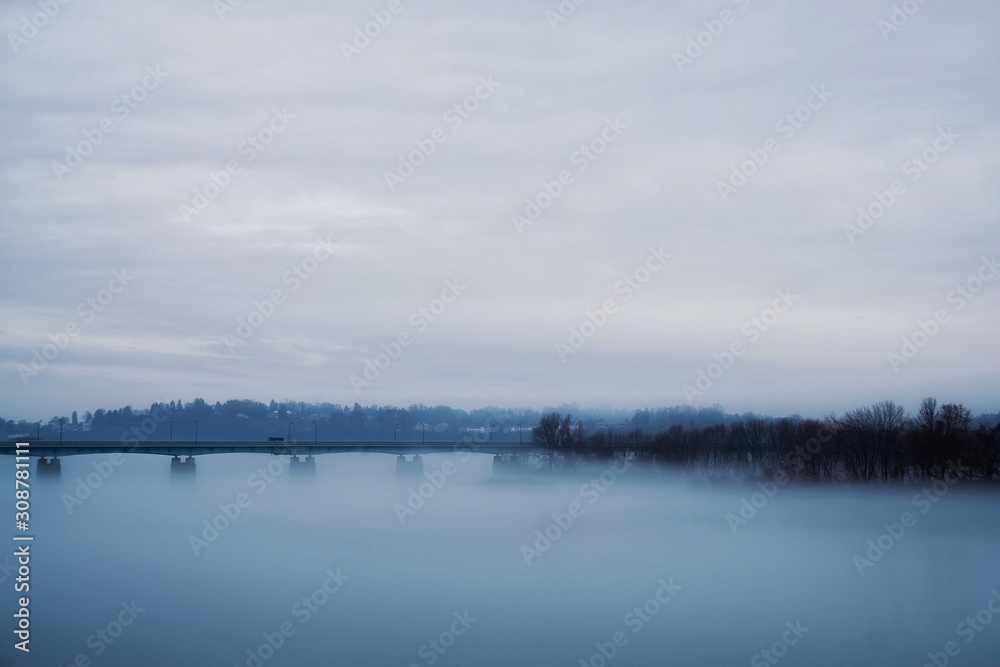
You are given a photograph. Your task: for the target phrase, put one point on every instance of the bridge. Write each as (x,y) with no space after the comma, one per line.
(301,454)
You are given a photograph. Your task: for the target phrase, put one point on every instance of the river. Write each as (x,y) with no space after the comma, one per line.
(248,562)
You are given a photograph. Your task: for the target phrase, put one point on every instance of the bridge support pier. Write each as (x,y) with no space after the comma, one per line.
(505,465)
(50,467)
(181,466)
(304,466)
(412,468)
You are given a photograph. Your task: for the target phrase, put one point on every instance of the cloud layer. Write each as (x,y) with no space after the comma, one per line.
(275,171)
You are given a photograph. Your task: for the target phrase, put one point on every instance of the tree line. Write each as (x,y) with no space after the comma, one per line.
(245,419)
(875,444)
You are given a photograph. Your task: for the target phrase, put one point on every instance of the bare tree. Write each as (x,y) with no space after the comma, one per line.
(869,441)
(953,427)
(553,432)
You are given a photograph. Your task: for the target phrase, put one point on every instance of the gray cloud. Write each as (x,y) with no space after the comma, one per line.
(323,176)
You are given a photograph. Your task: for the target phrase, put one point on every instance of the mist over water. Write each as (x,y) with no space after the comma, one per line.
(361,566)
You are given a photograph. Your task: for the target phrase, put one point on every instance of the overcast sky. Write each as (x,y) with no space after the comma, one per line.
(116,118)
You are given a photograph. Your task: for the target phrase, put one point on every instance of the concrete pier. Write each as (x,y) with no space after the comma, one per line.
(413,467)
(302,466)
(182,466)
(49,467)
(506,465)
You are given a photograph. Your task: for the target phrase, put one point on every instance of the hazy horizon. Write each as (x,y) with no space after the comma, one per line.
(569,408)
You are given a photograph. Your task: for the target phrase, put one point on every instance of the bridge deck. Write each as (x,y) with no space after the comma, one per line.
(190,448)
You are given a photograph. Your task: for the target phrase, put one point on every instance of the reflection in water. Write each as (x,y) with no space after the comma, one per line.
(362,559)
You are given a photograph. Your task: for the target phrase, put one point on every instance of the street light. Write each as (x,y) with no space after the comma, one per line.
(60,430)
(315,433)
(394,429)
(423,433)
(491,432)
(171,430)
(195,431)
(38,433)
(290,431)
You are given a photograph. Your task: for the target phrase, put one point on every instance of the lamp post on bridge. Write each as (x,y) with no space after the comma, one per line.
(491,433)
(171,431)
(423,433)
(60,430)
(315,433)
(38,432)
(195,431)
(290,431)
(394,429)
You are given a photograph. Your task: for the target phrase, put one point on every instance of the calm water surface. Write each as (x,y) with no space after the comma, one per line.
(337,568)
